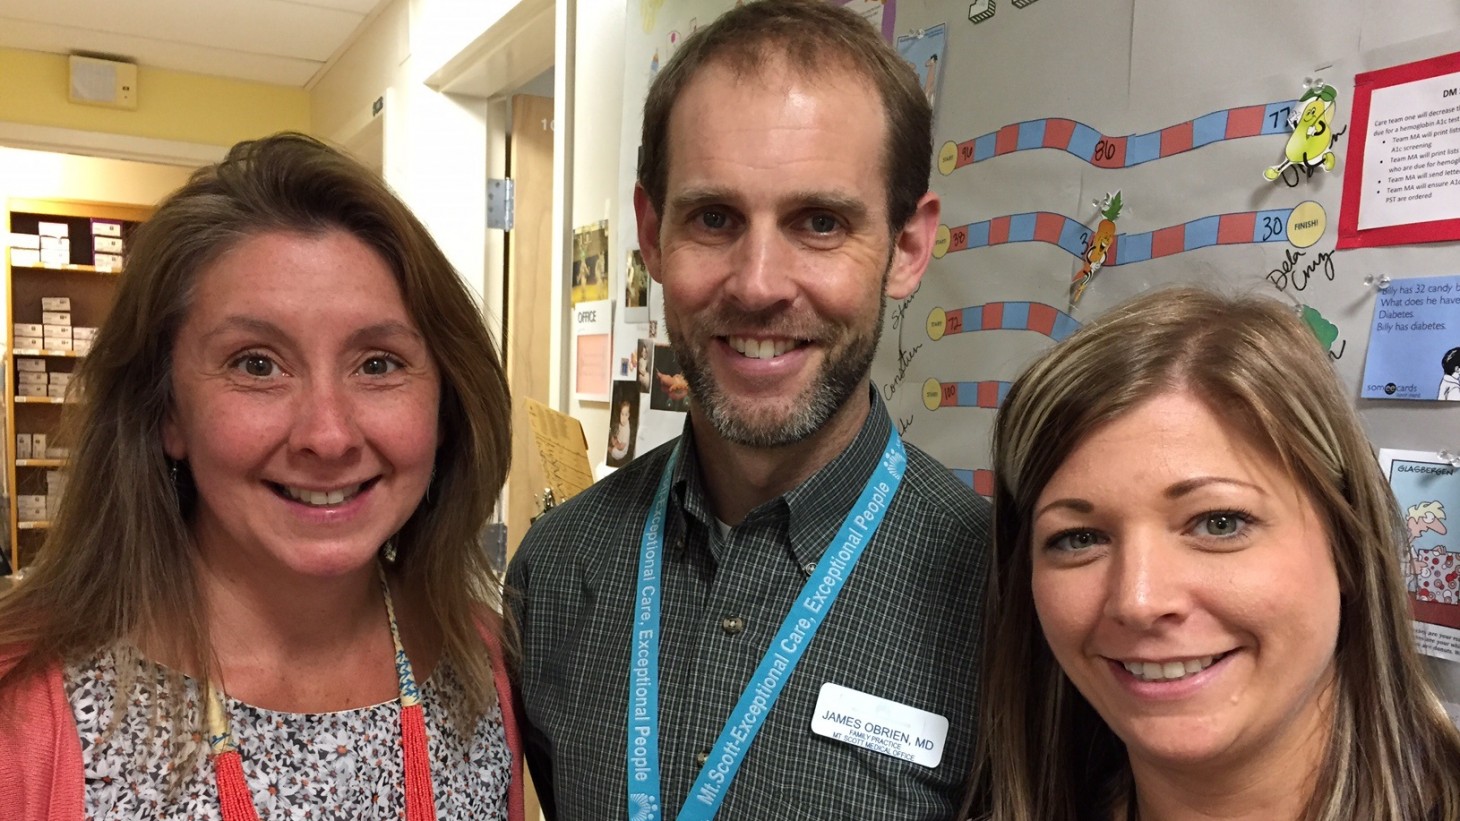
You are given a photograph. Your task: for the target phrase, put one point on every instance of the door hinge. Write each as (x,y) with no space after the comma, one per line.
(501,204)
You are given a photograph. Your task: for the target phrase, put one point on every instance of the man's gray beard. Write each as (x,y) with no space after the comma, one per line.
(829,391)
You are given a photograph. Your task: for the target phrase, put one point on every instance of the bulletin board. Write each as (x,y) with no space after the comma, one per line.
(1046,108)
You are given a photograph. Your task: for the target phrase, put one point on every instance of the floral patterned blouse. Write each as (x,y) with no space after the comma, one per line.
(344,766)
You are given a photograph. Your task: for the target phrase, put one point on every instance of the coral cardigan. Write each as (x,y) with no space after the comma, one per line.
(40,748)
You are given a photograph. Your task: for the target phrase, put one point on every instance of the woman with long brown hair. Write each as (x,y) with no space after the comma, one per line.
(265,594)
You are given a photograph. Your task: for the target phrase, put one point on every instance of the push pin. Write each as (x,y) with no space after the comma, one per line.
(1381,281)
(546,501)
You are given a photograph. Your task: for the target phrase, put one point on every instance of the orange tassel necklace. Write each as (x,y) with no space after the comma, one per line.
(236,802)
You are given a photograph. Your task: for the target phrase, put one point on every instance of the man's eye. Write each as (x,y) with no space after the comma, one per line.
(714,220)
(823,223)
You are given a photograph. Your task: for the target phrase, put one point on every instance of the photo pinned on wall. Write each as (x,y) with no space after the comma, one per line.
(644,361)
(590,263)
(882,14)
(623,423)
(925,49)
(636,289)
(628,366)
(1427,486)
(668,388)
(1414,342)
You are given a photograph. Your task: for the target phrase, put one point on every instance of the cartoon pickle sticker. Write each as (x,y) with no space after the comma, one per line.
(1311,143)
(1099,245)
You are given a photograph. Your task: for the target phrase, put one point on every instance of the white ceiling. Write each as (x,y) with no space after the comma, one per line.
(284,42)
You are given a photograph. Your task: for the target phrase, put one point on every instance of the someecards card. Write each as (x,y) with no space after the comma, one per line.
(1414,343)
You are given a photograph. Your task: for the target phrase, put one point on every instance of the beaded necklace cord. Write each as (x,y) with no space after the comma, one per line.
(233,796)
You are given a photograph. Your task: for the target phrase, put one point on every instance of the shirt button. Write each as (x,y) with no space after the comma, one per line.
(732,625)
(701,757)
(809,568)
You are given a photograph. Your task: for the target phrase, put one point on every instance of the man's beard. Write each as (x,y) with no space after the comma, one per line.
(848,359)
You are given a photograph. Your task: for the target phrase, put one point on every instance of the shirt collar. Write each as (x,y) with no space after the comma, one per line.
(817,506)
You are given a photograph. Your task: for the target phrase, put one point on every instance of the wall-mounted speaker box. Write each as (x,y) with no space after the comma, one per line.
(103,82)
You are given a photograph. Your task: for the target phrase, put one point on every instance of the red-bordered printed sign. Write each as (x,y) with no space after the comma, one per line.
(1365,84)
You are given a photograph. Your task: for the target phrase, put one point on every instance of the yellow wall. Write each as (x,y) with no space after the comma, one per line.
(171,105)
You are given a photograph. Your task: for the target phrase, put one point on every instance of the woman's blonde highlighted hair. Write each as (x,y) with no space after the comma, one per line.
(1044,754)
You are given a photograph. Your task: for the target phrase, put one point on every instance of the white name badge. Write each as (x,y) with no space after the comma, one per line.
(879,725)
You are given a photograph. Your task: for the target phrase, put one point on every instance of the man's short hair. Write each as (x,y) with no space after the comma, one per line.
(818,40)
(1450,361)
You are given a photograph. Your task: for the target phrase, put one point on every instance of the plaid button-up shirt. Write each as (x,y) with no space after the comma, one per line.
(905,628)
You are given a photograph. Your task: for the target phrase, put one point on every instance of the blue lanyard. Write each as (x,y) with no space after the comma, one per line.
(760,695)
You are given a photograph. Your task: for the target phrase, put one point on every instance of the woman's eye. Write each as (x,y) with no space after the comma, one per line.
(1075,540)
(378,366)
(1222,524)
(256,365)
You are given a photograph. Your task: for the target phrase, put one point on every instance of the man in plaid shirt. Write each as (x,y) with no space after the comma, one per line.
(777,615)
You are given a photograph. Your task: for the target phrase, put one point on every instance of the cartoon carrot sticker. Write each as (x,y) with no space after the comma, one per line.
(1100,241)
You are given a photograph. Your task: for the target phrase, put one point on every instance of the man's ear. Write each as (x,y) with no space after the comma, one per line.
(648,231)
(913,247)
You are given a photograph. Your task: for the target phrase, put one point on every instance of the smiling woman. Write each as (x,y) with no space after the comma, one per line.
(1198,609)
(294,430)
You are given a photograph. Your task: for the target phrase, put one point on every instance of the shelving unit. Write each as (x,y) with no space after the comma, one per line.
(91,291)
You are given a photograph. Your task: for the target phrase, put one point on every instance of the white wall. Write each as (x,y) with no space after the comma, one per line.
(434,144)
(598,106)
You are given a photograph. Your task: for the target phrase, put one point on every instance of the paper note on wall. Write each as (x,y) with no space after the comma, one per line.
(562,450)
(1414,343)
(593,330)
(1428,490)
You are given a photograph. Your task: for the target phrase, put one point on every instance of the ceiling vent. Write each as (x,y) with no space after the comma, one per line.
(97,81)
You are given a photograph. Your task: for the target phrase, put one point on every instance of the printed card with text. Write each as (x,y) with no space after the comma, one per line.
(1428,490)
(1414,342)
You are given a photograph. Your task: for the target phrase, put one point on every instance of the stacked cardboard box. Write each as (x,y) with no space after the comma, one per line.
(25,250)
(55,489)
(32,507)
(81,338)
(31,378)
(106,240)
(28,336)
(56,323)
(55,244)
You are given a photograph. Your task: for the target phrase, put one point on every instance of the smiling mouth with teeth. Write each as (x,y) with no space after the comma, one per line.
(763,348)
(1170,670)
(321,498)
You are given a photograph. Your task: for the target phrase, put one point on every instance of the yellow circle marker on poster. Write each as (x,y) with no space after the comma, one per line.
(940,242)
(932,394)
(1306,224)
(936,324)
(948,158)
